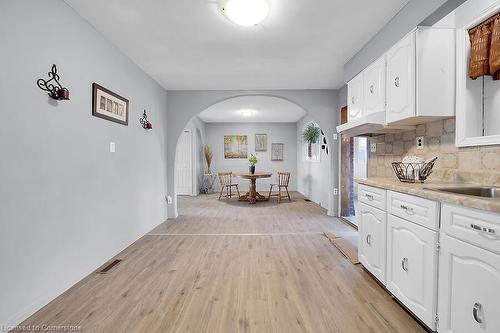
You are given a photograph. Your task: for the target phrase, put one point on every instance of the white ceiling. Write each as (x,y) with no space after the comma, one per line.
(190,45)
(253,109)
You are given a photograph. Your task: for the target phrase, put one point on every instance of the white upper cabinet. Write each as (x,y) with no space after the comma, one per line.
(421,77)
(355,98)
(374,88)
(401,80)
(413,83)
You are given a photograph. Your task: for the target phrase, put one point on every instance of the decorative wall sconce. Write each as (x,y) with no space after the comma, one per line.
(145,122)
(52,85)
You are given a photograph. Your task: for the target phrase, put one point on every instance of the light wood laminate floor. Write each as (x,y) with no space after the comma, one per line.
(232,267)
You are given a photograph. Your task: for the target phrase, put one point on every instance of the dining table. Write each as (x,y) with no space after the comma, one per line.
(252,196)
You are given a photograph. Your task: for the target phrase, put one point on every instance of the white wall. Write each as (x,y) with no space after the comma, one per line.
(313,176)
(276,133)
(67,204)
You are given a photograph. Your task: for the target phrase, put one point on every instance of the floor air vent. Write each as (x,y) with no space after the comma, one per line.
(109,266)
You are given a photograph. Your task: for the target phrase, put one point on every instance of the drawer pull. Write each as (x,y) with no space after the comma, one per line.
(477,308)
(407,209)
(369,239)
(404,264)
(369,197)
(489,230)
(479,228)
(476,227)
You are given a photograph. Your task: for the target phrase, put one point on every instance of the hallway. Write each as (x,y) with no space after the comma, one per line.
(225,266)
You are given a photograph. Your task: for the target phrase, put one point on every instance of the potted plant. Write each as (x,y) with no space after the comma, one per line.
(252,160)
(311,135)
(207,150)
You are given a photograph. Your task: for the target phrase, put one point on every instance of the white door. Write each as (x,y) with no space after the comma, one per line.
(374,88)
(469,288)
(355,98)
(412,267)
(372,240)
(184,165)
(401,80)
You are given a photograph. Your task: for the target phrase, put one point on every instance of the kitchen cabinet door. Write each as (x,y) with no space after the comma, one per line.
(401,80)
(374,88)
(469,288)
(372,240)
(412,267)
(355,98)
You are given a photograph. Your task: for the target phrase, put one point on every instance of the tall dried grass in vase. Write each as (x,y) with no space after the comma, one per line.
(207,151)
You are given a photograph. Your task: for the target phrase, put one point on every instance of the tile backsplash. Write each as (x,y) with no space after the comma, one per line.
(471,164)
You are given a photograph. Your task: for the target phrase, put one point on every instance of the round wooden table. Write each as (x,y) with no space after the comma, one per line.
(252,196)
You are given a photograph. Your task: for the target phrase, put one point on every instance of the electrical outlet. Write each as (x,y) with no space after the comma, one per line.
(373,148)
(420,142)
(169,200)
(335,191)
(335,136)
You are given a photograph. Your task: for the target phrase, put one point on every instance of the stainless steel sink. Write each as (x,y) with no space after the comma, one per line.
(484,192)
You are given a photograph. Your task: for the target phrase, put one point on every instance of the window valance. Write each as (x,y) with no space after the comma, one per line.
(485,49)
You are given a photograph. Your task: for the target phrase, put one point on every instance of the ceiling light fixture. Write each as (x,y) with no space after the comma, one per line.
(247,112)
(246,12)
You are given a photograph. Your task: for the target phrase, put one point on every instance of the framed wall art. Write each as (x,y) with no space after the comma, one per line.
(277,151)
(109,105)
(260,142)
(235,146)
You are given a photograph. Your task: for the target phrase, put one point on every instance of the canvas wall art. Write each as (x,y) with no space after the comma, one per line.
(108,105)
(235,146)
(277,151)
(260,142)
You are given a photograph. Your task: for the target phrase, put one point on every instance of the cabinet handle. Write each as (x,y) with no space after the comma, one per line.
(407,209)
(369,197)
(396,81)
(369,239)
(477,307)
(479,228)
(372,89)
(404,264)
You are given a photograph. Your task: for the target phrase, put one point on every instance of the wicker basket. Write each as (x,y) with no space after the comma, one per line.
(413,172)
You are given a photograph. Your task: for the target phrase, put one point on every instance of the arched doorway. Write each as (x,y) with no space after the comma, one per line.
(183,106)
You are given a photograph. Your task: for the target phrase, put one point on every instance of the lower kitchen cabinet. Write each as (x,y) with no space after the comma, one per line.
(412,267)
(372,240)
(469,288)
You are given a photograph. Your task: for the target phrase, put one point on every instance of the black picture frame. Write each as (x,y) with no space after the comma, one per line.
(97,112)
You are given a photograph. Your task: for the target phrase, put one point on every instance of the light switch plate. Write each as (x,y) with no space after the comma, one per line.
(420,142)
(335,136)
(169,199)
(373,148)
(112,147)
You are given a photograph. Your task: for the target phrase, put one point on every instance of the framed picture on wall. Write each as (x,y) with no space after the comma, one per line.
(235,146)
(108,105)
(277,151)
(260,142)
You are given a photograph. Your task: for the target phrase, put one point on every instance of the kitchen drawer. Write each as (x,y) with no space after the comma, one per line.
(373,196)
(474,226)
(418,210)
